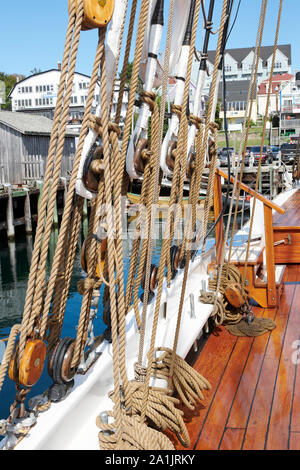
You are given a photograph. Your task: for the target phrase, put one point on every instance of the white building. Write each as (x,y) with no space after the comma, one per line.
(238,63)
(38,94)
(281,85)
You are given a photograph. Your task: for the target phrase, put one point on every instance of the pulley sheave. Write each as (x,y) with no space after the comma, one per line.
(97,13)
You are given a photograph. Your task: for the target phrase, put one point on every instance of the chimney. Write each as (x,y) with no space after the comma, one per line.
(59,65)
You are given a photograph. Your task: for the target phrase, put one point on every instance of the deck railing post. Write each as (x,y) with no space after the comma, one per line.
(219,229)
(270,258)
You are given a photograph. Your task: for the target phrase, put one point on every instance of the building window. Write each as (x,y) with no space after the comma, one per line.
(227,68)
(277,65)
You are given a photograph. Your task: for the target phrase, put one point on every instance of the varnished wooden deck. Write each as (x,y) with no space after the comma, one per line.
(291,217)
(254,403)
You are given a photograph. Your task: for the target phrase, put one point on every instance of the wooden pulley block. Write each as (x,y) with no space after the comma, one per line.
(31,364)
(92,174)
(97,13)
(85,260)
(190,164)
(152,279)
(174,259)
(59,363)
(234,295)
(140,156)
(170,158)
(296,174)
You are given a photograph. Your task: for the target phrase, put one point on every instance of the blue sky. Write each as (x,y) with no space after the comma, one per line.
(32,33)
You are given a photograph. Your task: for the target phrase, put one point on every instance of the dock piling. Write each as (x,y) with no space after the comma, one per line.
(10,214)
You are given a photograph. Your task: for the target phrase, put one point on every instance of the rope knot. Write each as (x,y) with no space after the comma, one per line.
(95,123)
(149,98)
(87,284)
(196,120)
(176,109)
(213,126)
(139,372)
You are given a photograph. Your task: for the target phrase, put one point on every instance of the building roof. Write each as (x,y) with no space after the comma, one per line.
(236,90)
(241,53)
(278,78)
(27,123)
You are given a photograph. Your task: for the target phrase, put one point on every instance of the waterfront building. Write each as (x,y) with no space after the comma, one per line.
(37,94)
(24,144)
(236,95)
(238,63)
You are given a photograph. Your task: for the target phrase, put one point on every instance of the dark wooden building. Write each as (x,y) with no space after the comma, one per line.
(24,144)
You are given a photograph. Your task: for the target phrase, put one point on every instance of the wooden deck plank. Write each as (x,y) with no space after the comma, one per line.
(257,426)
(291,217)
(279,426)
(232,439)
(294,441)
(295,419)
(292,273)
(242,403)
(212,367)
(215,422)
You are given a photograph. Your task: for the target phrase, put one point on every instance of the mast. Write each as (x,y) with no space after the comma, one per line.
(201,74)
(171,135)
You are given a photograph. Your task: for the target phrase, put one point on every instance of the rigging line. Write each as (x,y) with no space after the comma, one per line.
(263,136)
(246,124)
(226,128)
(235,18)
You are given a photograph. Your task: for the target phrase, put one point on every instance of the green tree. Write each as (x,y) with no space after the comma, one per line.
(9,82)
(128,78)
(218,120)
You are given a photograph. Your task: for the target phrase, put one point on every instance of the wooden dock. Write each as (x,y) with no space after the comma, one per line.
(19,207)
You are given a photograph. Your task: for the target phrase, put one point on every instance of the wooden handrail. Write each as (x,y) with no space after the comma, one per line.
(248,190)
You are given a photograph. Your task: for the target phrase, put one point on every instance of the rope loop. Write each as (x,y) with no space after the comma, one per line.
(195,120)
(87,284)
(176,109)
(95,123)
(149,98)
(213,126)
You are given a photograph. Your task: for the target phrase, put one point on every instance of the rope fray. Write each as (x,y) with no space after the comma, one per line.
(135,435)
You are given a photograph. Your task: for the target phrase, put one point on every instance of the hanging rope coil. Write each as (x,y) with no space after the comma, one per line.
(187,382)
(135,435)
(160,410)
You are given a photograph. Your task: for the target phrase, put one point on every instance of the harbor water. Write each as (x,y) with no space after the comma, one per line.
(15,258)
